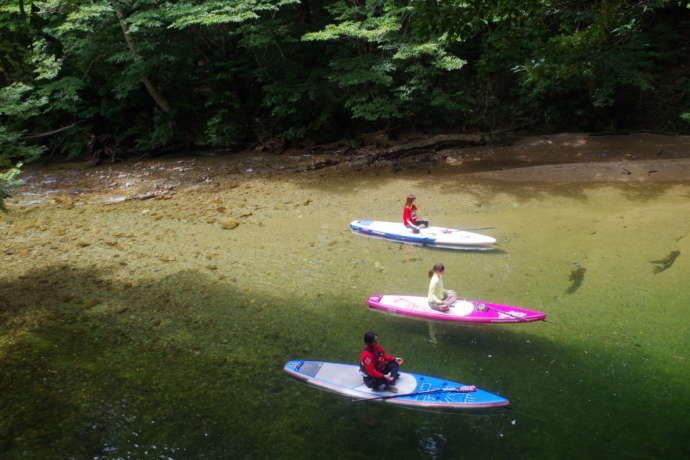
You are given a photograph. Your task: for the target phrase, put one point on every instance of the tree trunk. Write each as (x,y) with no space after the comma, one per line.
(150,87)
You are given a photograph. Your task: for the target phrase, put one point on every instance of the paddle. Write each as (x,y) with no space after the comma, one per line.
(461,389)
(476,229)
(503,312)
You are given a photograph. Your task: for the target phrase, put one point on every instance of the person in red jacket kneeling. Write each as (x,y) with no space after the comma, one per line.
(376,366)
(410,219)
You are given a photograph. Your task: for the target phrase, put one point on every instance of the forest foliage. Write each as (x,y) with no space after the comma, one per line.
(104,77)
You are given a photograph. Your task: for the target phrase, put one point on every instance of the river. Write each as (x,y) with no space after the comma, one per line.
(147,310)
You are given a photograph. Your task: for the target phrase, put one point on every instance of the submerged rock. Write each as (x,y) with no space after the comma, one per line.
(454,161)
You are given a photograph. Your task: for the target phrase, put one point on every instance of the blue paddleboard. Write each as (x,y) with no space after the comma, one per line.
(346,380)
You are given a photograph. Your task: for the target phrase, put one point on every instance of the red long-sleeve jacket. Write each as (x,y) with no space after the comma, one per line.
(409,215)
(373,360)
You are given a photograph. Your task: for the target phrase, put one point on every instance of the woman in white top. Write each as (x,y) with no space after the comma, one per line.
(439,298)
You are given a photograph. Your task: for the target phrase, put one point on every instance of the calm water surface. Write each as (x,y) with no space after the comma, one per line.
(145,329)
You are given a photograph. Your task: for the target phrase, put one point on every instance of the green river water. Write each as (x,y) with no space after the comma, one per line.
(146,330)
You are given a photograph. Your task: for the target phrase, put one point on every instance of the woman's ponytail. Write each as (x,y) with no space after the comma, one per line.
(438,268)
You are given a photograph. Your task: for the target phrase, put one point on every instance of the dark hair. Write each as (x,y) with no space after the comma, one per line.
(409,200)
(438,268)
(370,338)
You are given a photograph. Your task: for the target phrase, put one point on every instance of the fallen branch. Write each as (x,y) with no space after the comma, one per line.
(436,141)
(50,133)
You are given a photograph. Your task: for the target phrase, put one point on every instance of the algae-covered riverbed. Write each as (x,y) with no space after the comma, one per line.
(158,328)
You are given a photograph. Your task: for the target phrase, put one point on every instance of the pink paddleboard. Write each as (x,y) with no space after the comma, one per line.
(463,311)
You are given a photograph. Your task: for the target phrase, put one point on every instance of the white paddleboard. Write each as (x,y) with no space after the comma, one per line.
(432,236)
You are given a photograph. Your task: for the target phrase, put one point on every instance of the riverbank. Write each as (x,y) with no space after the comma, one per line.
(562,158)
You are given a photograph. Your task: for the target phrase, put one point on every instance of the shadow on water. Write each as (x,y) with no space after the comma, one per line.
(576,277)
(95,368)
(452,181)
(486,189)
(188,367)
(665,263)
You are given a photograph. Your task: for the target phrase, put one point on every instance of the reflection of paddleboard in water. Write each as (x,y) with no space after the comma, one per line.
(463,311)
(434,237)
(346,380)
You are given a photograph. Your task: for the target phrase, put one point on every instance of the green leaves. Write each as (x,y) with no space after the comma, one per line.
(13,148)
(17,100)
(386,63)
(17,103)
(8,179)
(85,18)
(146,74)
(63,94)
(210,13)
(46,65)
(372,30)
(447,62)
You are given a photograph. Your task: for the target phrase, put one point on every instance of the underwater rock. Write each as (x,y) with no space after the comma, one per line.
(576,276)
(666,262)
(64,203)
(229,225)
(114,244)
